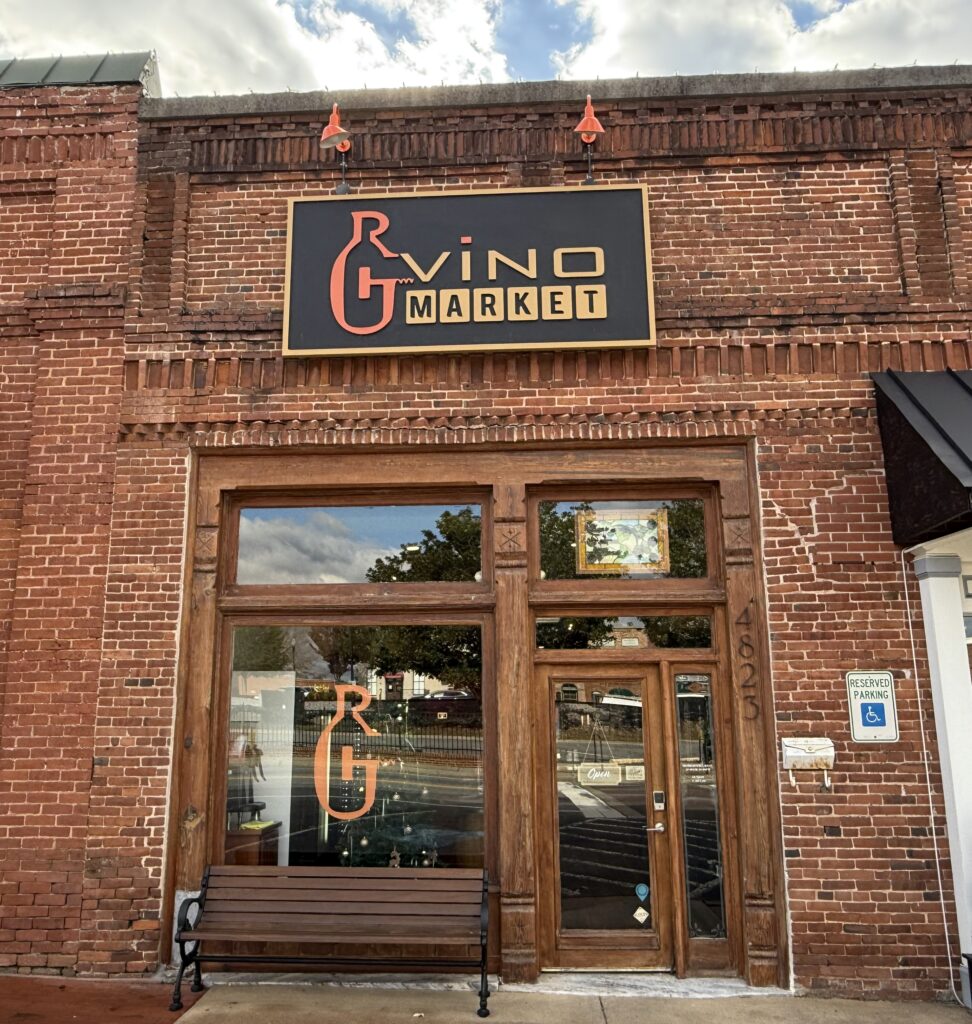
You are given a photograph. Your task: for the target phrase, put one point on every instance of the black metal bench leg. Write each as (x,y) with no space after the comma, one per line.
(483,987)
(197,985)
(176,1003)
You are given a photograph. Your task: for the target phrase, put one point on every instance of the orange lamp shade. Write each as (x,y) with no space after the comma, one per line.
(334,136)
(589,127)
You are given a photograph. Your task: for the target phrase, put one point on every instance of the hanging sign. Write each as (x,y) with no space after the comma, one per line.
(599,774)
(873,711)
(469,271)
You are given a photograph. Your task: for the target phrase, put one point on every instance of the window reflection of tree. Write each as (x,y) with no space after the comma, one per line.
(451,654)
(679,630)
(261,649)
(662,631)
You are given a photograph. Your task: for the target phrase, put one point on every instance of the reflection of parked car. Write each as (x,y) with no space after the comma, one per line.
(445,707)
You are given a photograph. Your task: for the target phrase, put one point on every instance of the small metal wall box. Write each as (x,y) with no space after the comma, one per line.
(810,753)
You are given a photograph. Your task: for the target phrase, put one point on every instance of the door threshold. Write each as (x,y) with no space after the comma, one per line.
(645,983)
(607,970)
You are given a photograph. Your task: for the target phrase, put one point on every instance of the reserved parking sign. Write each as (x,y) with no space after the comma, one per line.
(873,711)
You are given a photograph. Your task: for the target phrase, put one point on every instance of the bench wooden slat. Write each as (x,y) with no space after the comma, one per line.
(469,874)
(217,898)
(374,922)
(251,884)
(369,929)
(344,938)
(373,931)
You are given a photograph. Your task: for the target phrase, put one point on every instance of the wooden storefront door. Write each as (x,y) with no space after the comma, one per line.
(604,839)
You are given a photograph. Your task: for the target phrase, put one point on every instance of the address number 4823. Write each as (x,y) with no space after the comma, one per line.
(746,660)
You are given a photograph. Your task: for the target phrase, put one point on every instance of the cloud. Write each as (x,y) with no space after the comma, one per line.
(656,38)
(237,46)
(312,547)
(888,33)
(653,37)
(450,42)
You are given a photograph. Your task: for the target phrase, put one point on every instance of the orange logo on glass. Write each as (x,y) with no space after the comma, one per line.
(322,755)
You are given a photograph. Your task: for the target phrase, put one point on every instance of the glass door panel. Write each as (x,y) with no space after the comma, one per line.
(700,805)
(607,879)
(602,812)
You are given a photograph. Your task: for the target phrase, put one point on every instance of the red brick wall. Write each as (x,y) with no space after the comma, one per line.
(136,700)
(733,237)
(963,192)
(789,263)
(862,883)
(25,236)
(747,235)
(57,474)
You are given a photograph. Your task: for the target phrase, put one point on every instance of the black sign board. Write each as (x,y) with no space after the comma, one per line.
(469,271)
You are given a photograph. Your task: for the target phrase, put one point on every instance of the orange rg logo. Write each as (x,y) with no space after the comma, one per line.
(365,281)
(322,756)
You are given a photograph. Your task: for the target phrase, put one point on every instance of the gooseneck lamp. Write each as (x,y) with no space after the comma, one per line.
(338,138)
(588,128)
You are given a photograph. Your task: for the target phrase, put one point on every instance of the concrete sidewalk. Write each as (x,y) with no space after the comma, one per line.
(328,1004)
(555,999)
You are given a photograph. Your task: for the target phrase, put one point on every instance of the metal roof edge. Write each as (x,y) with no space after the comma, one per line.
(938,442)
(814,83)
(139,67)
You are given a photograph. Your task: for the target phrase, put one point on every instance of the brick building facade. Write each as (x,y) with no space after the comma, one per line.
(806,232)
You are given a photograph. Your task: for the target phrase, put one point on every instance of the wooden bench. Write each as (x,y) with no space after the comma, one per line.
(350,908)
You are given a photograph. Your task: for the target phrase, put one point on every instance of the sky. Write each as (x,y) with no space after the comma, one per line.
(241,46)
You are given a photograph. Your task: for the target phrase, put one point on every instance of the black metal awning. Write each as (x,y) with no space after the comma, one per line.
(926,431)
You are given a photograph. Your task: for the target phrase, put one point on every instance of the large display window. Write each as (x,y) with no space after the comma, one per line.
(335,757)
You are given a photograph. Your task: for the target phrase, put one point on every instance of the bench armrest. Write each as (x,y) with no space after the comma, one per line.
(484,910)
(182,918)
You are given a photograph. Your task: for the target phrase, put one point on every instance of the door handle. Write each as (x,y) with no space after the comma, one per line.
(660,827)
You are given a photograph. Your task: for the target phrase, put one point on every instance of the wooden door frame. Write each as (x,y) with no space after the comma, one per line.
(725,469)
(625,952)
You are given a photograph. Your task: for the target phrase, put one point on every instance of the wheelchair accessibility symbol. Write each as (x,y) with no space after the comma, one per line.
(873,716)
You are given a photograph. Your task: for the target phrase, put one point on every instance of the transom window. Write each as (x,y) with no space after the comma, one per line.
(624,631)
(308,544)
(643,538)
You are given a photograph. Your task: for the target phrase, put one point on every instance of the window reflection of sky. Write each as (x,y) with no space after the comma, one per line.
(374,524)
(332,544)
